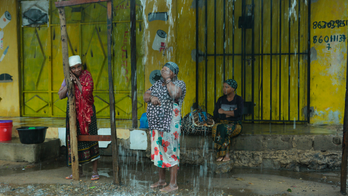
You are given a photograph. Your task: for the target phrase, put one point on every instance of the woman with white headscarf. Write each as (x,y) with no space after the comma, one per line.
(85,113)
(165,98)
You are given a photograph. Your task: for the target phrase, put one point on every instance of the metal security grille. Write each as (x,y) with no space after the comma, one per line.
(264,46)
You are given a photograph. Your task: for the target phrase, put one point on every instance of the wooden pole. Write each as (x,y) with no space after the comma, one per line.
(344,143)
(71,96)
(76,2)
(133,65)
(112,99)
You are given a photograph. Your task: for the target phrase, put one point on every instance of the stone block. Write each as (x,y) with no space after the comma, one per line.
(16,151)
(303,142)
(248,143)
(277,142)
(326,142)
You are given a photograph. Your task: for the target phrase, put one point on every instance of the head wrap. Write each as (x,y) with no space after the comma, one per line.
(173,67)
(232,83)
(74,60)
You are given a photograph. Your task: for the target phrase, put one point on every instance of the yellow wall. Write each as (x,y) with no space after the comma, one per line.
(328,67)
(181,35)
(180,29)
(327,71)
(9,90)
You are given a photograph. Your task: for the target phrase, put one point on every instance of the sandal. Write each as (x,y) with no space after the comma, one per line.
(95,177)
(69,177)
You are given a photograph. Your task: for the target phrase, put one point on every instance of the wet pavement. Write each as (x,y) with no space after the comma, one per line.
(248,128)
(137,174)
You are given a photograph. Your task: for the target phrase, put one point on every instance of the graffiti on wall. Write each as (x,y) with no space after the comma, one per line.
(159,43)
(330,24)
(34,13)
(155,76)
(5,77)
(4,20)
(4,54)
(157,16)
(328,39)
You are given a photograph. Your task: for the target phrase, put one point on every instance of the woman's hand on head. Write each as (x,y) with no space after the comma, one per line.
(221,111)
(155,101)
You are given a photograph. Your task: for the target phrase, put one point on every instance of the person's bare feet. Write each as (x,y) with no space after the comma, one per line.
(157,184)
(219,159)
(226,159)
(169,188)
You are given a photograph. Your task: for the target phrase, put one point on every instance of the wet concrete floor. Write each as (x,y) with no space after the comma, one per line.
(248,128)
(137,174)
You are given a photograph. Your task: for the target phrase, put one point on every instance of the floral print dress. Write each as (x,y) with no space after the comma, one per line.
(165,146)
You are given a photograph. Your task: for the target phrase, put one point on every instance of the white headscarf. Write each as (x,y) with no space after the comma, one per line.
(74,60)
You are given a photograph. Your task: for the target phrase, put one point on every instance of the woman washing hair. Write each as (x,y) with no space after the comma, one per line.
(165,98)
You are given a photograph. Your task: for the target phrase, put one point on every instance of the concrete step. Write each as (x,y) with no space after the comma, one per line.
(14,150)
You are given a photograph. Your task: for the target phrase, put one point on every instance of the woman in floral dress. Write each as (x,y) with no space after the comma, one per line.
(165,98)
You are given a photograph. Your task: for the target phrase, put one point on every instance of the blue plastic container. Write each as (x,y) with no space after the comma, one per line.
(143,121)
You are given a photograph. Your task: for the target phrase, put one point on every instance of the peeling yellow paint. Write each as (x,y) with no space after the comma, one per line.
(328,69)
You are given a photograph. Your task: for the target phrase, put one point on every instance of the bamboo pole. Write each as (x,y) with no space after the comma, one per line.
(114,149)
(345,142)
(71,97)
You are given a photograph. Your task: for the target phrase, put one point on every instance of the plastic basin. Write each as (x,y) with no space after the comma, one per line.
(32,135)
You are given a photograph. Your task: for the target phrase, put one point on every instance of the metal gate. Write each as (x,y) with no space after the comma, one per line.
(42,71)
(264,46)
